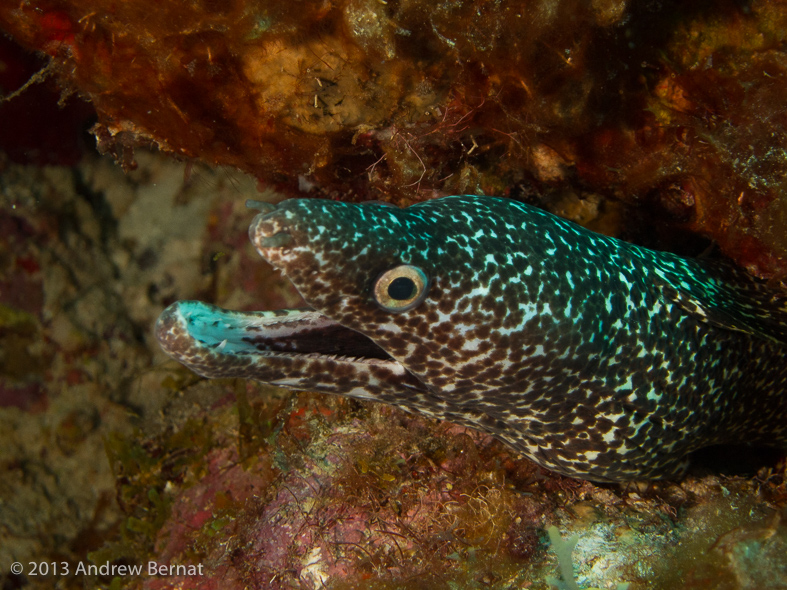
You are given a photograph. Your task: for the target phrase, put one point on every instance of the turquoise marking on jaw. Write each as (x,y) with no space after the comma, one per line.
(591,356)
(213,327)
(232,332)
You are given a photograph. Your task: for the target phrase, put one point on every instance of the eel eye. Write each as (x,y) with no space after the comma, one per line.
(401,288)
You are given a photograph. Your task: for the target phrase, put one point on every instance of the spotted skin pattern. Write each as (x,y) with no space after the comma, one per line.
(591,356)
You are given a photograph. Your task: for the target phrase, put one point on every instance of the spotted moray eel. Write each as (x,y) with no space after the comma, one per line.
(593,357)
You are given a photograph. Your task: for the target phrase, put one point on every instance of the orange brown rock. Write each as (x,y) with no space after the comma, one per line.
(673,107)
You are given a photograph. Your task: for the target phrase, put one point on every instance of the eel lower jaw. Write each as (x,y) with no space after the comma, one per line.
(198,334)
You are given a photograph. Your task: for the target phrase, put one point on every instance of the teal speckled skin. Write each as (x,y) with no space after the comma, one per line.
(595,358)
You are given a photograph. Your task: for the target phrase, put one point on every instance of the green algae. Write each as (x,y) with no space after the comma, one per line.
(11,317)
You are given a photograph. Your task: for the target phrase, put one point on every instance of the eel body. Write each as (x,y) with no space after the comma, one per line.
(593,357)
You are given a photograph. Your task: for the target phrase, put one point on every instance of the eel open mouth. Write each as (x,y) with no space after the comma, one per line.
(266,345)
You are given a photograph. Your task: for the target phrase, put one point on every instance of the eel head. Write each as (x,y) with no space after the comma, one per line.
(377,325)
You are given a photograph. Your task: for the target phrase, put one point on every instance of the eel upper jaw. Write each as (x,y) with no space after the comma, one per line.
(201,335)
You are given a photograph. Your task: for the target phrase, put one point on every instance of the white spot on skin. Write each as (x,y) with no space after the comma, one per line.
(478,291)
